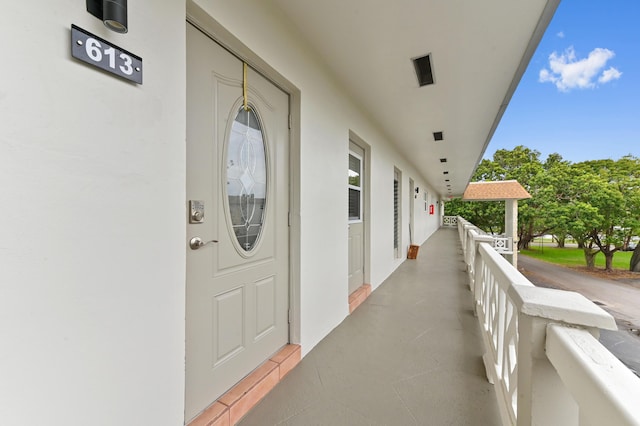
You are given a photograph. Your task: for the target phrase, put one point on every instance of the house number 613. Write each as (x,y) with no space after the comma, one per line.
(100,53)
(94,51)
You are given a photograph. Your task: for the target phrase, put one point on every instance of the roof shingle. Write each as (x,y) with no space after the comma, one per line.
(495,191)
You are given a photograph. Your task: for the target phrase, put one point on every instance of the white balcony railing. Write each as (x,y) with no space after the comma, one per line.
(503,245)
(541,347)
(450,221)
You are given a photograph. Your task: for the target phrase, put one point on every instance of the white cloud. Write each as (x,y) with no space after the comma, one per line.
(568,72)
(560,34)
(608,75)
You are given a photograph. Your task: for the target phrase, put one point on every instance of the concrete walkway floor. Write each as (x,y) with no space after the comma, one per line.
(409,355)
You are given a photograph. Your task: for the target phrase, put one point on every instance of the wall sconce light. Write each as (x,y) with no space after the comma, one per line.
(113,13)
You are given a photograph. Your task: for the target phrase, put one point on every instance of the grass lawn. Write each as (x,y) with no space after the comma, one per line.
(575,257)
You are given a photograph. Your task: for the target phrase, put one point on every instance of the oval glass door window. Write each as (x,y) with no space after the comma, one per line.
(246,178)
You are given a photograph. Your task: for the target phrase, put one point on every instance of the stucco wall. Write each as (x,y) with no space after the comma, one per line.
(92,241)
(92,221)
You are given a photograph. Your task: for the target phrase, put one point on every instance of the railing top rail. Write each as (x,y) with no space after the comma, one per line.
(558,305)
(483,238)
(504,271)
(463,221)
(604,388)
(563,306)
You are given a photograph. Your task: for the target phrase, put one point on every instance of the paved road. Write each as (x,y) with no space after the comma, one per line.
(620,300)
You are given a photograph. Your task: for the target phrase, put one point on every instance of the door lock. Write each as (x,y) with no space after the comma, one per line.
(196,242)
(196,211)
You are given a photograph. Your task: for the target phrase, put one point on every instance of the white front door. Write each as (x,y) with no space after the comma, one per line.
(356,217)
(238,192)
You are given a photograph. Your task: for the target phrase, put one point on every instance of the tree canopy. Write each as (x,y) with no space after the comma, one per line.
(596,202)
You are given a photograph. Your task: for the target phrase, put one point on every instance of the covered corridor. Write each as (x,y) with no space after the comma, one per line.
(411,354)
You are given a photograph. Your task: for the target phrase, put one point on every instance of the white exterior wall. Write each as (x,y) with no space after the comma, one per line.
(92,241)
(92,235)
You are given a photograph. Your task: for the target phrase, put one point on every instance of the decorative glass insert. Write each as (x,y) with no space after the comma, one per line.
(355,188)
(246,178)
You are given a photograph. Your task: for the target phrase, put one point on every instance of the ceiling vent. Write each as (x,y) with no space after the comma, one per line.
(423,70)
(438,136)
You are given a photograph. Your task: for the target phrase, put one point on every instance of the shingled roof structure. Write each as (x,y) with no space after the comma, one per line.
(495,191)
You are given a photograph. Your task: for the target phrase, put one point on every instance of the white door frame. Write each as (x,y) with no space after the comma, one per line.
(203,21)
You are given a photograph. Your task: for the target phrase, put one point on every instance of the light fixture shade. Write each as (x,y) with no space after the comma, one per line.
(114,15)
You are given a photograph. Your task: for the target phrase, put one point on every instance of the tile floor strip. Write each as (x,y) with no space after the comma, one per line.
(234,404)
(357,297)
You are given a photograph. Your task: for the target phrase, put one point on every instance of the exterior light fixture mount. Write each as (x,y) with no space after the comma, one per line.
(113,13)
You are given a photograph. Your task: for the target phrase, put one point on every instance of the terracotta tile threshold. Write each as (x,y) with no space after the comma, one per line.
(234,404)
(357,297)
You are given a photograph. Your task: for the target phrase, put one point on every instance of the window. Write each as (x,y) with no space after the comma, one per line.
(355,188)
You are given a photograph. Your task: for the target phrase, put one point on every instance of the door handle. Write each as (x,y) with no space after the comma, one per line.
(196,242)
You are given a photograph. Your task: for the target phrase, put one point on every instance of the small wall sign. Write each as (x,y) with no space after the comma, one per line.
(100,53)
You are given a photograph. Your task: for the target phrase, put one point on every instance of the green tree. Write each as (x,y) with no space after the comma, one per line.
(524,165)
(627,178)
(613,191)
(486,215)
(555,190)
(582,216)
(596,202)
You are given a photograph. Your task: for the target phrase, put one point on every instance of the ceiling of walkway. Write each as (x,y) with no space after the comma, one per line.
(479,50)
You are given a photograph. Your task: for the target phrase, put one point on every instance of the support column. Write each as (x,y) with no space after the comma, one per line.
(511,229)
(476,279)
(542,397)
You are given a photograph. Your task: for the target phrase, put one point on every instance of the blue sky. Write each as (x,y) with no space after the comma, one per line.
(580,96)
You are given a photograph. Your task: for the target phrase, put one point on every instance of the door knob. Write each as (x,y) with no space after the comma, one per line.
(196,242)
